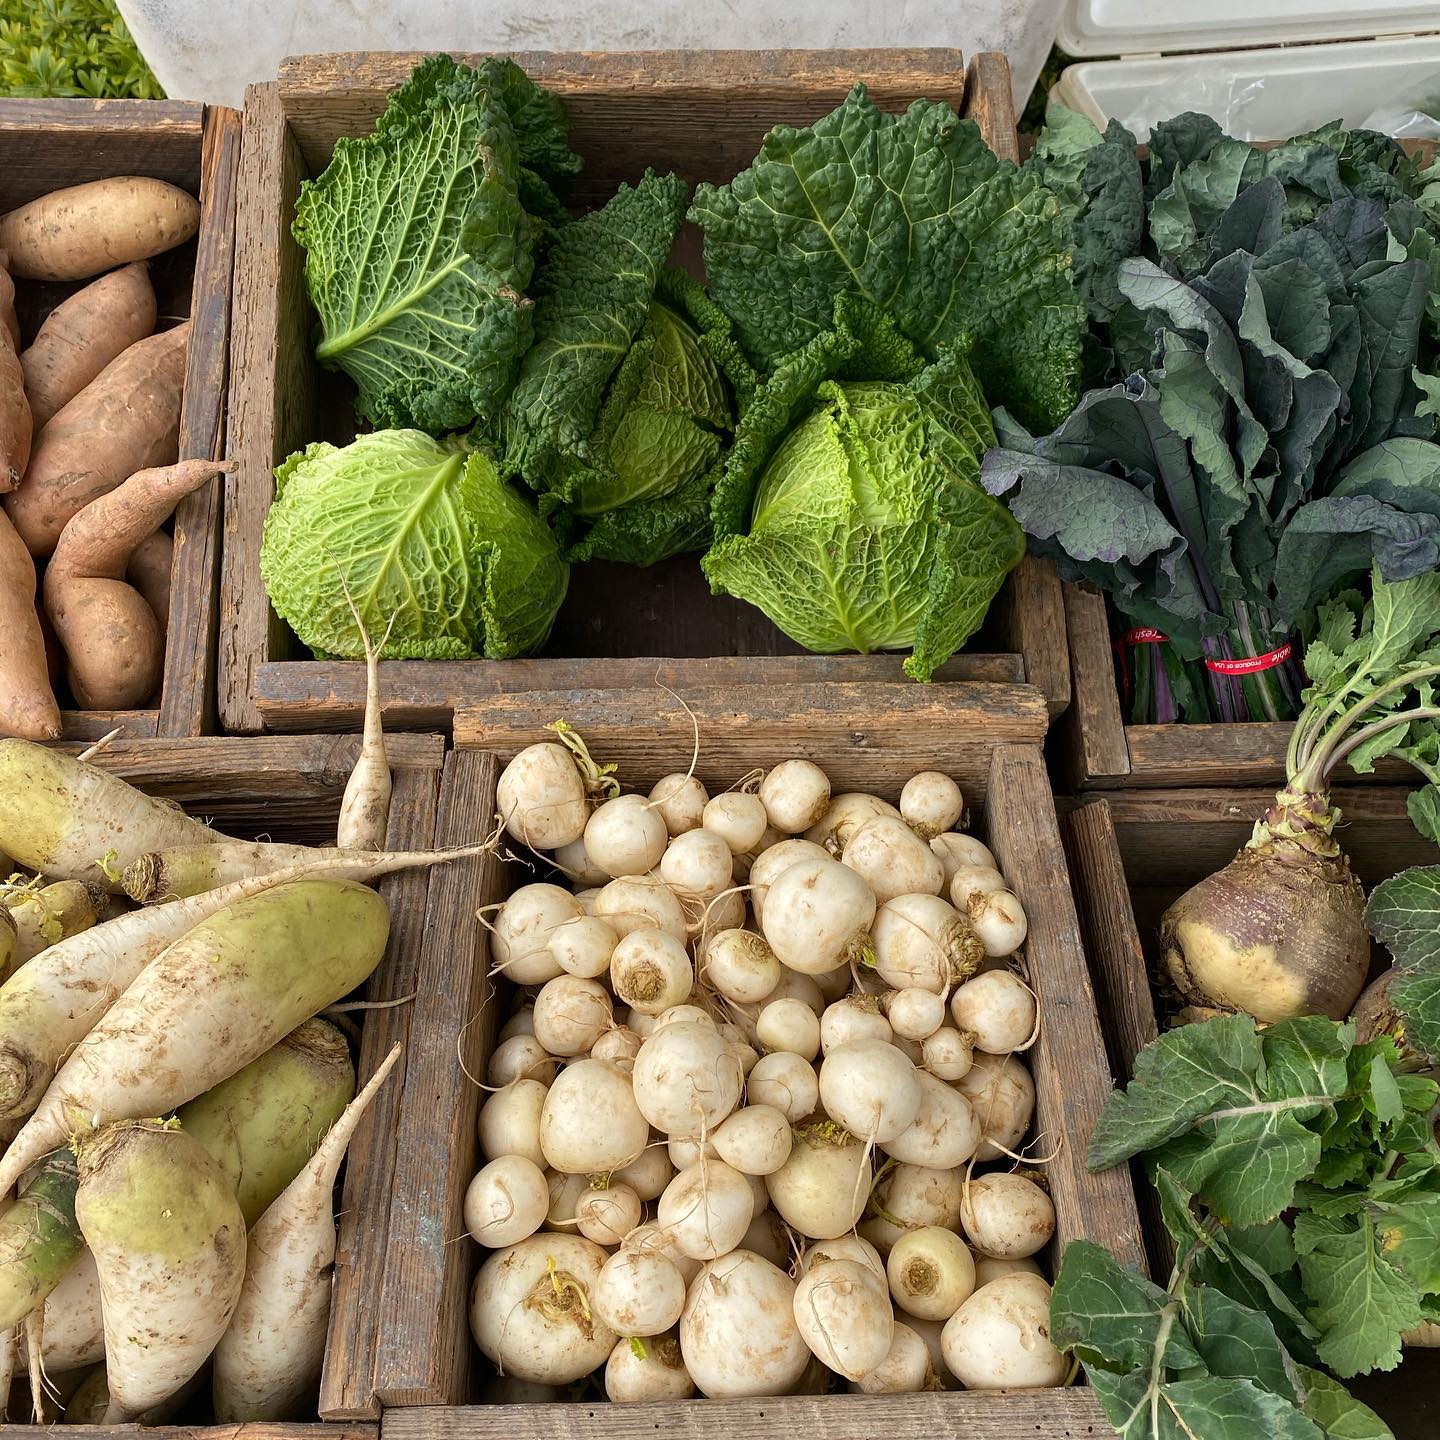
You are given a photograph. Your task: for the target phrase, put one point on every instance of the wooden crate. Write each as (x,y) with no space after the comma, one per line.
(1132,854)
(427,1359)
(289,788)
(702,114)
(1101,751)
(49,144)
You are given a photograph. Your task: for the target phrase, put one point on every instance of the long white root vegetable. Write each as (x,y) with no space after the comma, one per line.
(264,1122)
(74,821)
(48,1006)
(222,994)
(270,1358)
(52,913)
(74,1333)
(168,1238)
(365,810)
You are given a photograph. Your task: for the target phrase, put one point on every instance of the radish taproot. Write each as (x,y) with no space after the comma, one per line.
(168,1237)
(209,1004)
(47,914)
(269,1355)
(39,1238)
(264,1122)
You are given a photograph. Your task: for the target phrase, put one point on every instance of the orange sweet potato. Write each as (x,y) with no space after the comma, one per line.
(114,644)
(149,572)
(9,320)
(27,703)
(126,419)
(83,335)
(16,426)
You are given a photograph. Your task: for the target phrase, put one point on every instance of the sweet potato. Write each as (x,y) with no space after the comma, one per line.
(83,335)
(149,572)
(16,425)
(126,419)
(27,704)
(113,641)
(79,232)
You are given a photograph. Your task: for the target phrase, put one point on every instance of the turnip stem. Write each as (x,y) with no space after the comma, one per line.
(1302,752)
(1335,747)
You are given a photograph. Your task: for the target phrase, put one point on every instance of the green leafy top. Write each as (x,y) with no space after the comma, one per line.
(1404,914)
(419,248)
(848,509)
(912,213)
(1317,1175)
(71,48)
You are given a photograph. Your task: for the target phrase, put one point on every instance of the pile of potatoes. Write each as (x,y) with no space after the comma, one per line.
(89,436)
(757,1110)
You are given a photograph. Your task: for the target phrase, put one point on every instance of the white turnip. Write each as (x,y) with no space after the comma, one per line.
(795,986)
(971,880)
(651,971)
(912,1197)
(817,915)
(509,1121)
(686,1078)
(738,818)
(769,1237)
(922,942)
(653,1369)
(618,1046)
(506,1201)
(791,1026)
(955,850)
(566,1192)
(639,1291)
(583,946)
(871,1089)
(648,1174)
(893,860)
(579,869)
(520,939)
(521,1020)
(167,1289)
(905,1370)
(521,1057)
(681,801)
(738,1335)
(652,1236)
(773,862)
(1002,1093)
(741,966)
(590,1122)
(948,1054)
(988,1268)
(641,902)
(786,1082)
(822,1187)
(530,1309)
(754,1140)
(945,1132)
(998,918)
(1007,1216)
(626,836)
(843,1312)
(931,803)
(707,1209)
(930,1273)
(683,1014)
(843,817)
(795,794)
(542,797)
(999,1339)
(571,1014)
(856,1017)
(608,1214)
(998,1009)
(698,864)
(915,1014)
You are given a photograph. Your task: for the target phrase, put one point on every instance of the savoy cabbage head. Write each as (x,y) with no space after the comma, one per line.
(850,510)
(420,242)
(429,540)
(914,214)
(624,403)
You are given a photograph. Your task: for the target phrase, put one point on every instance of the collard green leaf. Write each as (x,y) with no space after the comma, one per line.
(1403,914)
(1409,1236)
(1337,1412)
(1359,1300)
(1216,1408)
(1235,1341)
(418,252)
(914,214)
(1416,998)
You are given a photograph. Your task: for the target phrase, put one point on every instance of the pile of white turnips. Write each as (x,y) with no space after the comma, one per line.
(755,1064)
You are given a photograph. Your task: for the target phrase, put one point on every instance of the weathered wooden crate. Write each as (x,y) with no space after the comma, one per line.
(289,788)
(46,145)
(427,1363)
(1132,854)
(702,114)
(1101,751)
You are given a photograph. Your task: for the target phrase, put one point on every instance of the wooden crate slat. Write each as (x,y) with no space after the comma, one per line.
(421,694)
(863,735)
(976,1415)
(693,109)
(1072,1073)
(347,1384)
(426,1355)
(1094,734)
(187,696)
(246,1430)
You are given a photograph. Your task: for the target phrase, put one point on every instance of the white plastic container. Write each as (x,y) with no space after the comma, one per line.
(1266,69)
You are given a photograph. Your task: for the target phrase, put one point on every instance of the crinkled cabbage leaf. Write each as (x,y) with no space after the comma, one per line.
(429,540)
(419,247)
(912,213)
(849,510)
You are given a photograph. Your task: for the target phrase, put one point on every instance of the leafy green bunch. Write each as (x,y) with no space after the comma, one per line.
(1404,915)
(65,48)
(1299,1177)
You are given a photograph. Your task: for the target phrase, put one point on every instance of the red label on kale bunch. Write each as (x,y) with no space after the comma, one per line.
(1251,664)
(1142,635)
